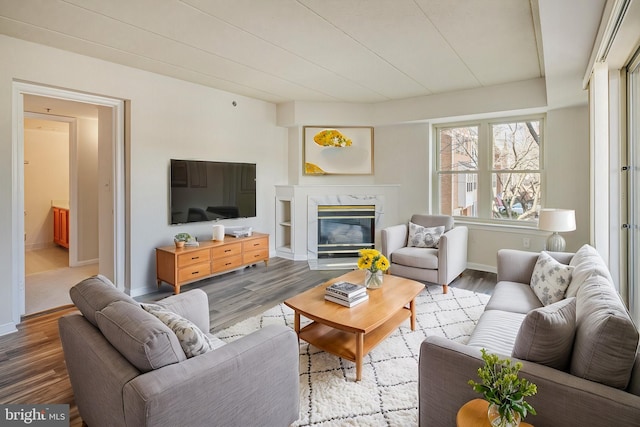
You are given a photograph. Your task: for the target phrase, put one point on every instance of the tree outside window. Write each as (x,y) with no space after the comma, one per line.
(511,178)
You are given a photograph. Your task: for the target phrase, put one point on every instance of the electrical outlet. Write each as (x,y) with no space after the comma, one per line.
(526,242)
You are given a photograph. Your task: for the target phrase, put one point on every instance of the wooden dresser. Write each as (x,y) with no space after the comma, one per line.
(179,266)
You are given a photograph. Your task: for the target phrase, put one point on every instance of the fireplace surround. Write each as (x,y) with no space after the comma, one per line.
(296,217)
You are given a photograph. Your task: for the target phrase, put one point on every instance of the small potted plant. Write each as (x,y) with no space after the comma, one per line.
(180,239)
(504,391)
(373,263)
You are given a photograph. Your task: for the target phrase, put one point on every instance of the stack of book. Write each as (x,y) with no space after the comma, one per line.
(345,293)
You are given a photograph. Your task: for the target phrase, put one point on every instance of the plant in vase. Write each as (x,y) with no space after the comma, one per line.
(180,239)
(504,391)
(374,264)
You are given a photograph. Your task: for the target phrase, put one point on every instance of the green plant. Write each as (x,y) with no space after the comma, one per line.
(501,386)
(182,237)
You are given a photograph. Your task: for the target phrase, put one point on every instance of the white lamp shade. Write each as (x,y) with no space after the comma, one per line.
(557,220)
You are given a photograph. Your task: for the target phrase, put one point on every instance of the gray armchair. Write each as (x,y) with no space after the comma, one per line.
(435,265)
(128,369)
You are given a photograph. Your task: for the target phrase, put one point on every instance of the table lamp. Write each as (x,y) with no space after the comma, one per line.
(556,220)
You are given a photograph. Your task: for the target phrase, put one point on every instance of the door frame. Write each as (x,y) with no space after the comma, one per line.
(117,172)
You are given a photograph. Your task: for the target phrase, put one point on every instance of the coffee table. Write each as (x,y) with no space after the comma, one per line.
(351,332)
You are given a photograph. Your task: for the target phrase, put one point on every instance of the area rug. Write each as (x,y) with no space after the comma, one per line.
(387,395)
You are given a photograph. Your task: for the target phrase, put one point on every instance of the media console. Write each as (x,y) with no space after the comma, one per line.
(179,266)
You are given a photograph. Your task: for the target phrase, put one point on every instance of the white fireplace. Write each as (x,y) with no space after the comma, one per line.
(296,235)
(316,203)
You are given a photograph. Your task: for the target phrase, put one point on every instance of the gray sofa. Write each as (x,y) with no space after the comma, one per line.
(140,375)
(595,382)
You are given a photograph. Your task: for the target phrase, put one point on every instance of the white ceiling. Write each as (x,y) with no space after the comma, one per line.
(313,50)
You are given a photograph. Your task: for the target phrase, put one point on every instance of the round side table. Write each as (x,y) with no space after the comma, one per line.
(474,414)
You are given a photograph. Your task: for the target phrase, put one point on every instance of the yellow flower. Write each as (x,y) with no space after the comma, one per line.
(372,260)
(383,263)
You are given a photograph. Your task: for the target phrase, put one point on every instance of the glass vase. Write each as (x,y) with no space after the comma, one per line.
(372,280)
(497,421)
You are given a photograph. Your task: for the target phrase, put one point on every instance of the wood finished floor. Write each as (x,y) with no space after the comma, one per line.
(32,368)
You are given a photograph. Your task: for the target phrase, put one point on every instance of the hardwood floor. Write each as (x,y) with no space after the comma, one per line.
(32,368)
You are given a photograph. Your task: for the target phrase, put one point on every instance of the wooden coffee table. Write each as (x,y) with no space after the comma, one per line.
(351,333)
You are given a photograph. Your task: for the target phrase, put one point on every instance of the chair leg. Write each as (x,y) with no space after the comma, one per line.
(445,288)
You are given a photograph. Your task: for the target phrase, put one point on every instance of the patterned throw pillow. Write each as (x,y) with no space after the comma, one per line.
(192,340)
(424,237)
(550,279)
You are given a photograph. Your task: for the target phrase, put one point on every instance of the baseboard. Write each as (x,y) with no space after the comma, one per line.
(482,267)
(38,246)
(137,292)
(84,263)
(8,328)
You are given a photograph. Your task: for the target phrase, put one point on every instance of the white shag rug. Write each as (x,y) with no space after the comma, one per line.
(387,395)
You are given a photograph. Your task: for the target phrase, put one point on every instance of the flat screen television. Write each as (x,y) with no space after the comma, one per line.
(210,191)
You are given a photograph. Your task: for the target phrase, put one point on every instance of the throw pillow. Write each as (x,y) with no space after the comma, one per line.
(94,294)
(424,237)
(192,340)
(141,338)
(550,279)
(606,342)
(546,335)
(586,261)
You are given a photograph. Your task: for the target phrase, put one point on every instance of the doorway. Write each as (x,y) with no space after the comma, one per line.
(60,144)
(110,188)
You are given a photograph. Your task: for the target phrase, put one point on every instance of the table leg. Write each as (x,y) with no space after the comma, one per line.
(412,307)
(359,351)
(296,322)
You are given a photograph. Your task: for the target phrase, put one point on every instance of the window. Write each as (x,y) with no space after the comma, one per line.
(491,169)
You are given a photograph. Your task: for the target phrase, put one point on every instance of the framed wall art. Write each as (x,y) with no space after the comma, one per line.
(343,150)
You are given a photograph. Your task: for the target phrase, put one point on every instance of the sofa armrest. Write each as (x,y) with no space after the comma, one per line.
(193,305)
(445,367)
(251,381)
(393,238)
(452,254)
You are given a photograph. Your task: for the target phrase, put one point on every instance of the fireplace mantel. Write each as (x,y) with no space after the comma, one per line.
(296,213)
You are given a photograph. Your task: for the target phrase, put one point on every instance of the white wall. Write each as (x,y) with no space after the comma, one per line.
(403,154)
(402,157)
(86,213)
(176,119)
(169,118)
(46,178)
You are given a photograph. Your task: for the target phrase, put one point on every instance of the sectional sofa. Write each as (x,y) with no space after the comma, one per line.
(581,350)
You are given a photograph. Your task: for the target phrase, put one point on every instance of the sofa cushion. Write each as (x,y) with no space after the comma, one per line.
(424,237)
(193,341)
(546,335)
(604,348)
(416,257)
(496,331)
(585,262)
(95,293)
(514,297)
(140,337)
(550,279)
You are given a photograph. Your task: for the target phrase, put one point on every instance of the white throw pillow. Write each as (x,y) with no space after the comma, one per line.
(192,340)
(424,237)
(550,279)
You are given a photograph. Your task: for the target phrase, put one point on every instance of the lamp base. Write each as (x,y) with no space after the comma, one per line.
(555,243)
